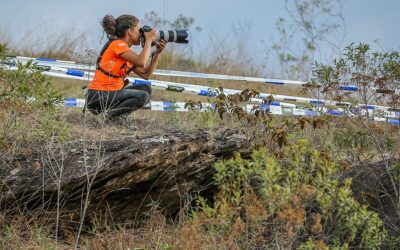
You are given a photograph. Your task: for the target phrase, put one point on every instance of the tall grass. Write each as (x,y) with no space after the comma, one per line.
(46,45)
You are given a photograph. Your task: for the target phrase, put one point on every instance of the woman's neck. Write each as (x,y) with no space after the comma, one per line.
(127,40)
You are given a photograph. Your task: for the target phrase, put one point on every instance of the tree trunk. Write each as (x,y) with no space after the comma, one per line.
(123,176)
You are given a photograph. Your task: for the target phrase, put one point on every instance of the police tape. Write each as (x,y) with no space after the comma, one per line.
(274,108)
(211,107)
(74,65)
(71,64)
(209,91)
(206,90)
(169,86)
(372,110)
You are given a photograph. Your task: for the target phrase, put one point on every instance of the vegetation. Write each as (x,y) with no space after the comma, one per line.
(295,191)
(305,32)
(290,201)
(29,108)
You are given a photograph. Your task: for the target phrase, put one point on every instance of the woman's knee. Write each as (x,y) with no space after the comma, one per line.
(144,87)
(148,89)
(145,98)
(140,99)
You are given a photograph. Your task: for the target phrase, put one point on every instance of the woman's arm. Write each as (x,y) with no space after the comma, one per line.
(146,72)
(138,60)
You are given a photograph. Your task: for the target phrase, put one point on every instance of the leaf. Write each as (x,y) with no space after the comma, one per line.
(318,123)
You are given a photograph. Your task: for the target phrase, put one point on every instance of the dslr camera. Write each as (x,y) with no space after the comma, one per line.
(176,36)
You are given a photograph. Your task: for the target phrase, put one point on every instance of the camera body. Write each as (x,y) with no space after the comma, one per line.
(175,36)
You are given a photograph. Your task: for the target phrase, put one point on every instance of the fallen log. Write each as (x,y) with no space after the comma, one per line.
(121,177)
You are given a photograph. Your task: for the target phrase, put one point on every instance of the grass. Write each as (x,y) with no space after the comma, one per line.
(32,128)
(157,231)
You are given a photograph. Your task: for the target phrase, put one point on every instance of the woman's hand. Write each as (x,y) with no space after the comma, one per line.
(160,45)
(150,36)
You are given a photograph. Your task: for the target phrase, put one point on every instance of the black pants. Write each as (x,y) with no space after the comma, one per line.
(120,102)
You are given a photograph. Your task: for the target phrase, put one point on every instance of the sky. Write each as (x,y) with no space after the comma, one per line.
(366,21)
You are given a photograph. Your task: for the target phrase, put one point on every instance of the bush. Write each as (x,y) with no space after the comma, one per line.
(291,201)
(375,74)
(29,105)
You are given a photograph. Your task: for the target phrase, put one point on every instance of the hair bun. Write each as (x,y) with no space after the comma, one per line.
(109,24)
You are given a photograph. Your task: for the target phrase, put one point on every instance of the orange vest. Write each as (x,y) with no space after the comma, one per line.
(111,68)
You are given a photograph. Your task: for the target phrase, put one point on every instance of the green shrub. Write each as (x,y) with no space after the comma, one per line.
(29,105)
(291,200)
(27,86)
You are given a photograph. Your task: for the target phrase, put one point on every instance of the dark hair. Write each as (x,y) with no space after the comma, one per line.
(117,27)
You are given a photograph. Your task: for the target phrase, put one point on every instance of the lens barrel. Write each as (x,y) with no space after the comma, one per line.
(175,36)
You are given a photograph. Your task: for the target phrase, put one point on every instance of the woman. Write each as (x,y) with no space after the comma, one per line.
(107,92)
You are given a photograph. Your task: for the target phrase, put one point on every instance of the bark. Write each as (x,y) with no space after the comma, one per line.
(124,175)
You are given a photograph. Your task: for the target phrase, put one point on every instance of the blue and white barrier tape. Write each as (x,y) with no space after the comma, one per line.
(72,64)
(274,110)
(171,86)
(205,90)
(180,106)
(174,106)
(208,91)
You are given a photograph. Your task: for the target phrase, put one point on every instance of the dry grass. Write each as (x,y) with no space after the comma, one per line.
(140,123)
(50,45)
(69,87)
(157,232)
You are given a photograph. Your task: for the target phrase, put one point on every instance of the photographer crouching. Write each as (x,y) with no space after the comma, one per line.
(109,92)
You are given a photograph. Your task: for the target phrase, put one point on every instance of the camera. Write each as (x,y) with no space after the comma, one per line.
(176,36)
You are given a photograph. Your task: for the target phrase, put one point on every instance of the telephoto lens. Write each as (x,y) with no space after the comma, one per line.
(175,36)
